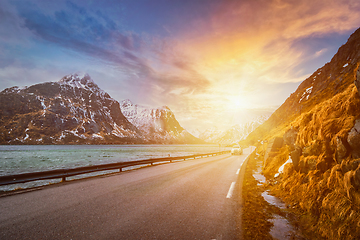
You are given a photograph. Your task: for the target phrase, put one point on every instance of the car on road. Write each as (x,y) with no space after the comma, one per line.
(236,150)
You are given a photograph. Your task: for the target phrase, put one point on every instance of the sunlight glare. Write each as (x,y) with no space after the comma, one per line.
(237,102)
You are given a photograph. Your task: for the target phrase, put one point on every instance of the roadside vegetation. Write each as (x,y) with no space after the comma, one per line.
(321,185)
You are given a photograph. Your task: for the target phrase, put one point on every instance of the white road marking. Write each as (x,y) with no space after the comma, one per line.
(231,190)
(237,172)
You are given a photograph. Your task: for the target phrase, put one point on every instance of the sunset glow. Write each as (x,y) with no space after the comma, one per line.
(214,63)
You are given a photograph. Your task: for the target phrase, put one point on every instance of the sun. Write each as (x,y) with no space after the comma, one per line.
(237,102)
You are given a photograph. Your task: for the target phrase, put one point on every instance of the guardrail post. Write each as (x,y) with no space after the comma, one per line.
(120,169)
(63,179)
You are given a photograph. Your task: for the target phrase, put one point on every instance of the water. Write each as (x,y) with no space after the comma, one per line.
(259,177)
(15,159)
(273,200)
(282,228)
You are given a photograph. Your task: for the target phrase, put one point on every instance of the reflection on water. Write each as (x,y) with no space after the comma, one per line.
(282,228)
(273,200)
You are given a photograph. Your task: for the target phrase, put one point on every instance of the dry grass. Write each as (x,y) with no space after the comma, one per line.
(324,193)
(334,117)
(275,161)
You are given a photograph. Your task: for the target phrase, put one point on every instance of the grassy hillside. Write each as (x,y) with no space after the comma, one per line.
(319,128)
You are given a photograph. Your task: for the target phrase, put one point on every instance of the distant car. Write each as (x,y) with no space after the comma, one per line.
(237,150)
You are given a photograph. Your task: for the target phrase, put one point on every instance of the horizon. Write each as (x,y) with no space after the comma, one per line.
(218,63)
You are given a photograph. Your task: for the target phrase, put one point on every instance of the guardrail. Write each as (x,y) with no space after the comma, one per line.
(64,173)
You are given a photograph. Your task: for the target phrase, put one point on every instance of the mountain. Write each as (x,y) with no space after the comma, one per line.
(73,110)
(157,125)
(318,129)
(210,135)
(235,134)
(333,78)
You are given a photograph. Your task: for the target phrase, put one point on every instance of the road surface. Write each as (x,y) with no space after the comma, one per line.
(184,200)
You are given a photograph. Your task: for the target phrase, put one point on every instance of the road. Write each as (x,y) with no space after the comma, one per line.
(183,200)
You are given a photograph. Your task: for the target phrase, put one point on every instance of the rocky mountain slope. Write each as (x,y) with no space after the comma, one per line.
(73,110)
(333,78)
(157,125)
(318,130)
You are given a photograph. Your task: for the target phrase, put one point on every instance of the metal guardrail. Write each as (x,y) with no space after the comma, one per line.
(64,173)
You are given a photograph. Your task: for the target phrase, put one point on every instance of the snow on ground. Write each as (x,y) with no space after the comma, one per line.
(306,94)
(281,168)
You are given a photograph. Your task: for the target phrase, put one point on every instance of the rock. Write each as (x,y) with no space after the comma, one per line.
(354,140)
(356,178)
(357,80)
(290,137)
(273,146)
(295,156)
(307,163)
(277,143)
(341,151)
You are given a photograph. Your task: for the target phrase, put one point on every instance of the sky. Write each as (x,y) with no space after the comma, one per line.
(214,63)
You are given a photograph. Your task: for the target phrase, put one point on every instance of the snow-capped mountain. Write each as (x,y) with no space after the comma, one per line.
(234,134)
(75,110)
(72,110)
(157,124)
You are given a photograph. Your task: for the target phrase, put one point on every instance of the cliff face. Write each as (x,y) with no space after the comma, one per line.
(319,128)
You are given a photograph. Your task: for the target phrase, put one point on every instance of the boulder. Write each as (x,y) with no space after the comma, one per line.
(354,139)
(341,151)
(290,137)
(295,156)
(356,179)
(273,146)
(307,163)
(357,80)
(276,143)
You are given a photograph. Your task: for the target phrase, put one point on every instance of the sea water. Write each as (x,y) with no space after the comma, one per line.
(15,159)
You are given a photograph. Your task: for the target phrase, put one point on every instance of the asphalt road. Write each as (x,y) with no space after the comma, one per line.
(183,200)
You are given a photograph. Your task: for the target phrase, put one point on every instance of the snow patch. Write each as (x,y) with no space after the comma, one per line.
(82,81)
(41,102)
(26,137)
(281,168)
(306,94)
(94,135)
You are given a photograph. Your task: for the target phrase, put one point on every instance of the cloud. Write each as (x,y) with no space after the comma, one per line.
(252,29)
(94,34)
(261,50)
(208,53)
